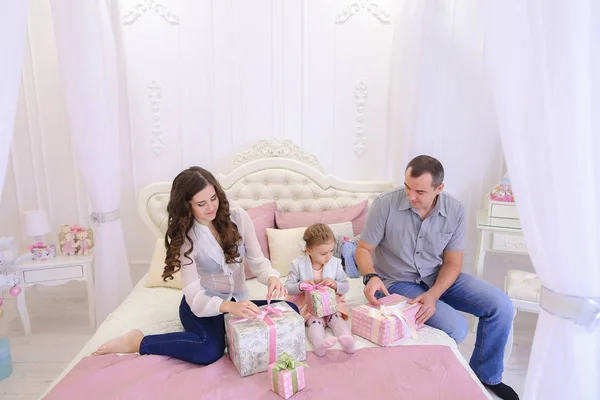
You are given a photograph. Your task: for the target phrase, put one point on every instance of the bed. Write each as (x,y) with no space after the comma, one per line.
(270,171)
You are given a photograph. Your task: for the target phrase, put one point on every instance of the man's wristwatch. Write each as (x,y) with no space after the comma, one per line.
(368,276)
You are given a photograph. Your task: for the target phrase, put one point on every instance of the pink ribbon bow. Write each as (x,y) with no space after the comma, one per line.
(269,309)
(307,287)
(38,245)
(77,228)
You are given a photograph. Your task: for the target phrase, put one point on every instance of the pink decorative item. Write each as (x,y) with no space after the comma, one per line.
(387,323)
(321,300)
(505,196)
(42,252)
(286,376)
(68,244)
(75,240)
(254,343)
(15,290)
(356,214)
(1,301)
(263,217)
(83,242)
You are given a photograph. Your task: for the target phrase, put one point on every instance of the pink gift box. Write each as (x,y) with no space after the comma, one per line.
(42,252)
(321,300)
(284,380)
(387,323)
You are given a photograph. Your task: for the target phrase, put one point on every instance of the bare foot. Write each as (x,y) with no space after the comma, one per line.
(128,343)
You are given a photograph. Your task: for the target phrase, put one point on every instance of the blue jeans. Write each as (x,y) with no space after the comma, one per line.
(473,296)
(203,341)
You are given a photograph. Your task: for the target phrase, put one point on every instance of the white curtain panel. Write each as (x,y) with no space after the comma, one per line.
(87,63)
(440,103)
(13,28)
(544,63)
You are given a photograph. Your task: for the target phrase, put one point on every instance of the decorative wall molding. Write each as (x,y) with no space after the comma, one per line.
(363,5)
(156,137)
(150,5)
(275,148)
(360,96)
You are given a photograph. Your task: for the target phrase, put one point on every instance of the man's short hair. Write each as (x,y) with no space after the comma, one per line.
(422,164)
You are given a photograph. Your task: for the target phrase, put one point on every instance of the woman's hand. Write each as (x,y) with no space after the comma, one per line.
(275,288)
(244,308)
(329,283)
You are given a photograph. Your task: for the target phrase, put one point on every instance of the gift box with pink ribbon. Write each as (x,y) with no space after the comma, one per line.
(255,343)
(321,300)
(388,322)
(286,376)
(42,252)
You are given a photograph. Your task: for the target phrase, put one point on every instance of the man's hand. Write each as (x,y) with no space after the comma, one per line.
(427,310)
(275,288)
(373,286)
(244,308)
(329,283)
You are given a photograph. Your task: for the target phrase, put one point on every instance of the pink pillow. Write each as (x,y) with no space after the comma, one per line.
(263,217)
(357,214)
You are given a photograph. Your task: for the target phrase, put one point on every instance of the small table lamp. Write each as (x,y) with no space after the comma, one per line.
(36,224)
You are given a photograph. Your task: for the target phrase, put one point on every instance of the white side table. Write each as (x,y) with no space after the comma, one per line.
(501,235)
(54,272)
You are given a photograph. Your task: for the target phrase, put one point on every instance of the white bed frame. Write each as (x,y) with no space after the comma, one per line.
(270,171)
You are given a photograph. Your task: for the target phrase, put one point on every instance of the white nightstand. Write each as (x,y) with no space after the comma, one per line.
(53,272)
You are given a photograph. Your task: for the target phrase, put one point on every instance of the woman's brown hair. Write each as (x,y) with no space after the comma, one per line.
(317,234)
(185,186)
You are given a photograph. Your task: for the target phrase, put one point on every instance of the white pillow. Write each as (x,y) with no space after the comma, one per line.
(157,266)
(286,244)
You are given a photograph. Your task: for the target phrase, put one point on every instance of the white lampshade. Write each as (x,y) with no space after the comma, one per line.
(36,223)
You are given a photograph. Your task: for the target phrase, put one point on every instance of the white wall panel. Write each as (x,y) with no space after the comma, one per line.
(203,80)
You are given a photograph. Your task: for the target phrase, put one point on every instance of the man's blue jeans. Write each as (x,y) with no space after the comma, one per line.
(473,296)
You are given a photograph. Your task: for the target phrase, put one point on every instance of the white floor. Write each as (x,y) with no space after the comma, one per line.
(60,327)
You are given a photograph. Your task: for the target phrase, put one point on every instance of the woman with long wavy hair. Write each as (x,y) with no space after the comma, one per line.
(206,240)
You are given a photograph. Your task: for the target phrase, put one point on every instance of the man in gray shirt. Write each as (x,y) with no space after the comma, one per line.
(412,244)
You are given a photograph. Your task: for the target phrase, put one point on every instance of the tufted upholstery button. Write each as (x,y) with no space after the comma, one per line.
(315,197)
(245,181)
(256,198)
(276,198)
(305,181)
(266,183)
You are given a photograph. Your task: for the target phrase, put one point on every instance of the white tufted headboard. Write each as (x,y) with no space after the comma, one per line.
(271,171)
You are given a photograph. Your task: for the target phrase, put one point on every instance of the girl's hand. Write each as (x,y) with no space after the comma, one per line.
(244,308)
(310,282)
(329,283)
(275,288)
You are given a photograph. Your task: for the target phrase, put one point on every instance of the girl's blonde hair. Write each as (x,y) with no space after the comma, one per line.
(317,234)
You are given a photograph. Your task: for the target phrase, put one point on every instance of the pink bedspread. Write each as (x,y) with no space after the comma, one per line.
(399,372)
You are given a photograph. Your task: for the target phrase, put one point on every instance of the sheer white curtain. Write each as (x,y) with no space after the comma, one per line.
(13,24)
(544,61)
(439,104)
(87,62)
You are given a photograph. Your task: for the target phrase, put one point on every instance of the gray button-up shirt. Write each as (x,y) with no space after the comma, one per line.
(408,247)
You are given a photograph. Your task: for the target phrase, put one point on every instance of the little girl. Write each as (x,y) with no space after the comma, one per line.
(318,265)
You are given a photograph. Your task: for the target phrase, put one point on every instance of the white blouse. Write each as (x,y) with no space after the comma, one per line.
(207,280)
